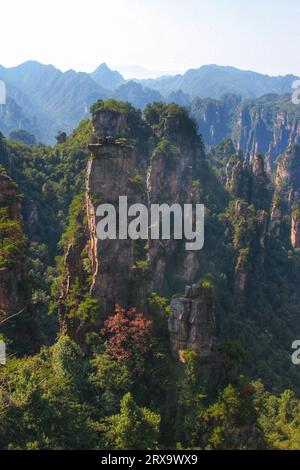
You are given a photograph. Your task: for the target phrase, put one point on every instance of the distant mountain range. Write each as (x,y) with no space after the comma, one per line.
(214,81)
(43,100)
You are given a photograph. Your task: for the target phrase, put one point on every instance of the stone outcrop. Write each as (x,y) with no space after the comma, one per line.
(261,128)
(267,125)
(110,123)
(258,167)
(173,177)
(214,117)
(192,321)
(248,180)
(238,178)
(108,177)
(275,219)
(241,274)
(260,183)
(263,227)
(295,229)
(287,180)
(8,197)
(13,278)
(74,274)
(251,234)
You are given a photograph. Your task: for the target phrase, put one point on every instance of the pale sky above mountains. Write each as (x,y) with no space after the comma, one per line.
(159,35)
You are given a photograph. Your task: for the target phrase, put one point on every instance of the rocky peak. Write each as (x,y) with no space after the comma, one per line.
(260,191)
(108,122)
(258,167)
(106,77)
(108,176)
(192,321)
(238,178)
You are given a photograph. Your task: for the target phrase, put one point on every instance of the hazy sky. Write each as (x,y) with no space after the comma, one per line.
(261,35)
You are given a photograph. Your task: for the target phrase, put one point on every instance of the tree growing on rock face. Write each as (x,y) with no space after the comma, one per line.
(127,334)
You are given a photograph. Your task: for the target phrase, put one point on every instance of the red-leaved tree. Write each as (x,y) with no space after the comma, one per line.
(127,334)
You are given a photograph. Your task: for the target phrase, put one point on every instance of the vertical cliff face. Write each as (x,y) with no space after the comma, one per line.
(287,179)
(248,180)
(214,117)
(287,184)
(75,285)
(192,322)
(12,253)
(108,177)
(259,191)
(261,127)
(174,177)
(241,274)
(265,125)
(276,218)
(238,178)
(295,229)
(8,197)
(250,228)
(110,123)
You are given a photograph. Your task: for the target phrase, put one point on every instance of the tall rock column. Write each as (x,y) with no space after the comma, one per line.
(108,177)
(174,178)
(287,179)
(13,292)
(295,231)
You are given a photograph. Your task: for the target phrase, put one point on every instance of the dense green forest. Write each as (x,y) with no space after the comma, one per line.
(115,384)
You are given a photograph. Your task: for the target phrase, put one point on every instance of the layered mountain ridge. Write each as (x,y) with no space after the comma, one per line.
(43,100)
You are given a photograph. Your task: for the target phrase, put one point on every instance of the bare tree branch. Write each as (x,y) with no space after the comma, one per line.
(11,316)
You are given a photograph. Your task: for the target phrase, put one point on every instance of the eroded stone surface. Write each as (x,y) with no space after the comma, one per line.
(192,321)
(107,178)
